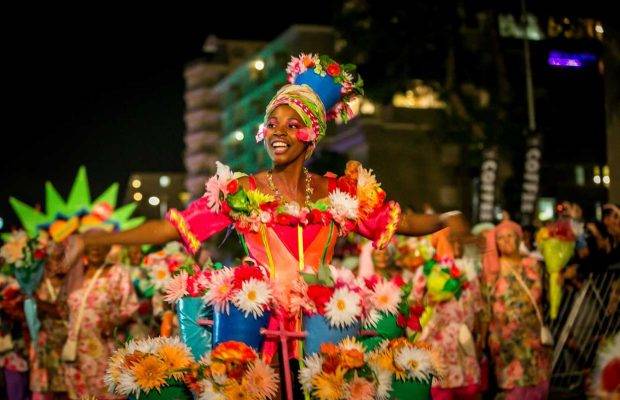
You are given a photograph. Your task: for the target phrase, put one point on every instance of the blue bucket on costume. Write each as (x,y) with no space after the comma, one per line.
(236,326)
(324,86)
(319,331)
(195,336)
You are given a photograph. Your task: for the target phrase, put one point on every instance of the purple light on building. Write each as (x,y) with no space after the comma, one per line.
(569,60)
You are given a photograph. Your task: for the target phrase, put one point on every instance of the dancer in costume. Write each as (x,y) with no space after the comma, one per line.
(99,302)
(111,298)
(288,219)
(522,363)
(47,377)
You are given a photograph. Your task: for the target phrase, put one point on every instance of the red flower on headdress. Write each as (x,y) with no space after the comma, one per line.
(39,254)
(232,186)
(333,69)
(347,185)
(245,273)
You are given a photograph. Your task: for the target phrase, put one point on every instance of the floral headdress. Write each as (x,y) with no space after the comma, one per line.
(319,91)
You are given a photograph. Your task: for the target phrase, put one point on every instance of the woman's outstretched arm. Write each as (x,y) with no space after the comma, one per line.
(151,232)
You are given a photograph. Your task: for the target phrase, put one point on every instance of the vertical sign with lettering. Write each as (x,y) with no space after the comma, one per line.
(488,177)
(531,178)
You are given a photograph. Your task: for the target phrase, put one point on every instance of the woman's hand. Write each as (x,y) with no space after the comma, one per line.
(73,251)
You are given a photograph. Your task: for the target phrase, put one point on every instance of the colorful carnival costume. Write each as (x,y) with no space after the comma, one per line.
(287,237)
(522,363)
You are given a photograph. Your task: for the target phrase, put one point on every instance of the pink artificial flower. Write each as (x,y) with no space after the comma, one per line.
(306,134)
(177,288)
(260,134)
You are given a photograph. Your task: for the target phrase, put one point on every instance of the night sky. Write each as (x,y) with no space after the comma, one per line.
(105,90)
(103,87)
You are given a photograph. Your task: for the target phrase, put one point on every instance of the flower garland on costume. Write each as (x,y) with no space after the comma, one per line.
(356,197)
(341,372)
(233,370)
(146,365)
(344,75)
(247,286)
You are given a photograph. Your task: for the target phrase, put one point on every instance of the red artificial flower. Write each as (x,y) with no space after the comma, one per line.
(144,308)
(285,219)
(319,217)
(414,324)
(39,254)
(401,320)
(225,207)
(270,206)
(371,282)
(349,225)
(455,272)
(347,185)
(320,295)
(173,265)
(333,69)
(232,186)
(245,273)
(416,310)
(398,280)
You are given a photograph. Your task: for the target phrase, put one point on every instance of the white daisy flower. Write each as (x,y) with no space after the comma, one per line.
(350,343)
(417,362)
(343,308)
(386,296)
(127,385)
(252,297)
(209,392)
(371,319)
(343,205)
(143,346)
(384,387)
(160,275)
(313,366)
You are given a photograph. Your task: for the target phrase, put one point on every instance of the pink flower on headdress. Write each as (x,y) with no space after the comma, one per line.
(306,135)
(260,134)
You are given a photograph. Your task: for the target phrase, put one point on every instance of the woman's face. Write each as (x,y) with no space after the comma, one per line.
(96,254)
(507,242)
(134,253)
(281,140)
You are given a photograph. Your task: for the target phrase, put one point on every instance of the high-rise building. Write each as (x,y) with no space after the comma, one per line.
(203,114)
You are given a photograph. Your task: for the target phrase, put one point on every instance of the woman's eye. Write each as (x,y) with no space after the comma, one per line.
(271,125)
(293,126)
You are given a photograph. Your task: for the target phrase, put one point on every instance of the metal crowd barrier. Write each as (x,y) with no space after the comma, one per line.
(587,315)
